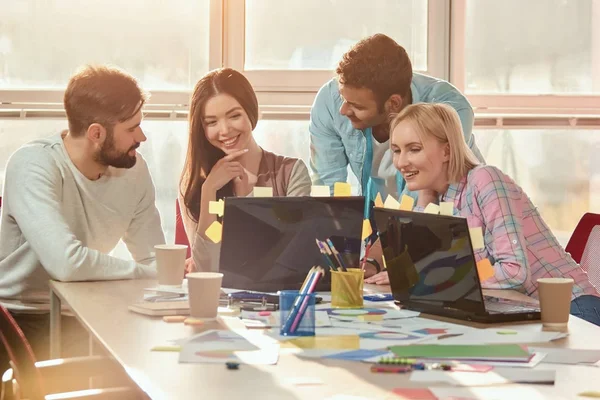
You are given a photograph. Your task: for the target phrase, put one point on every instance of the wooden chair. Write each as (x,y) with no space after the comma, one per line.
(56,379)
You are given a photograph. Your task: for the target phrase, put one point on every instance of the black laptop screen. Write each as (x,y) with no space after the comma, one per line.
(269,244)
(429,259)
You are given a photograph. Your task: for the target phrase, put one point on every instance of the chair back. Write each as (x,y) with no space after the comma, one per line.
(22,357)
(584,246)
(180,235)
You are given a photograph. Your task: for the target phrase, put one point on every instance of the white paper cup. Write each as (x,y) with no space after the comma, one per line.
(204,289)
(170,263)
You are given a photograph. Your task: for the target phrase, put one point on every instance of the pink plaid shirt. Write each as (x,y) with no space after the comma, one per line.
(518,242)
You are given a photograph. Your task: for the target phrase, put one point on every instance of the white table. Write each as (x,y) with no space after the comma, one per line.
(102,309)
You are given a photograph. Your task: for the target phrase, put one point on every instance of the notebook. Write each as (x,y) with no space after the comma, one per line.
(268,243)
(432,269)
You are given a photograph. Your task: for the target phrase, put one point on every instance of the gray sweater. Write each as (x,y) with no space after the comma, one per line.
(58,224)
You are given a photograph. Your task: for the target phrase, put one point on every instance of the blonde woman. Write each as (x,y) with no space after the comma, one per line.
(430,152)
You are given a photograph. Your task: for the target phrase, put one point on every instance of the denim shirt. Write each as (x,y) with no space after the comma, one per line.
(335,144)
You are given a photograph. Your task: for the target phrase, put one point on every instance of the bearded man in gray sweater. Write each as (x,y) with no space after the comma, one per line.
(69,199)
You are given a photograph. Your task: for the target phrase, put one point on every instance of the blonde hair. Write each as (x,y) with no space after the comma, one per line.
(442,123)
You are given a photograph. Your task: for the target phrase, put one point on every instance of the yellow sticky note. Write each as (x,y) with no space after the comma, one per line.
(595,395)
(341,189)
(371,318)
(366,231)
(485,269)
(166,348)
(378,200)
(407,203)
(216,207)
(432,208)
(351,342)
(447,208)
(476,238)
(260,191)
(319,191)
(391,203)
(214,231)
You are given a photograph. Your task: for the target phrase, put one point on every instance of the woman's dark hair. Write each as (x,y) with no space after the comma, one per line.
(201,155)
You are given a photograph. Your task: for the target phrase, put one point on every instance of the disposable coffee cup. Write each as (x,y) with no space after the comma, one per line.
(204,289)
(170,264)
(555,301)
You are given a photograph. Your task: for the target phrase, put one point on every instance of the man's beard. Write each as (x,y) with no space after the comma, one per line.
(110,156)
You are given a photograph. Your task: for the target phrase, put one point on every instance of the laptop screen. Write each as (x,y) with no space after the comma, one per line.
(268,244)
(429,259)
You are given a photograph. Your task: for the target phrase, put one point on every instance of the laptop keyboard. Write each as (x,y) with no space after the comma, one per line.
(496,305)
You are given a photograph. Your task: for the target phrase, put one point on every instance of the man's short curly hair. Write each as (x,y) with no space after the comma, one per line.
(377,63)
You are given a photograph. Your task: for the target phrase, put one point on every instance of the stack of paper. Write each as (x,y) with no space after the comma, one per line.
(498,352)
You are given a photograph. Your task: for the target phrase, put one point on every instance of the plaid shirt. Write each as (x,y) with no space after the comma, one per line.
(518,242)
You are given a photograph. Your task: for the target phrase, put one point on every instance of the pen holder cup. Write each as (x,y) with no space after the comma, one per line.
(347,288)
(297,312)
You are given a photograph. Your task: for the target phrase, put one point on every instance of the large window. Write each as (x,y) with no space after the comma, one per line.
(317,40)
(42,42)
(537,87)
(556,48)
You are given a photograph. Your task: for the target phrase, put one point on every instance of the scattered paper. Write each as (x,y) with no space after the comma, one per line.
(342,189)
(476,238)
(446,208)
(378,200)
(485,269)
(415,394)
(215,232)
(302,381)
(432,209)
(498,336)
(494,377)
(272,319)
(366,229)
(319,191)
(216,207)
(407,203)
(219,346)
(496,393)
(262,191)
(391,203)
(323,342)
(568,356)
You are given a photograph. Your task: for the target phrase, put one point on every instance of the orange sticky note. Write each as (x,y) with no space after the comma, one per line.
(214,231)
(391,203)
(319,191)
(342,189)
(263,191)
(476,238)
(366,230)
(407,203)
(447,208)
(432,208)
(174,318)
(216,207)
(378,200)
(485,269)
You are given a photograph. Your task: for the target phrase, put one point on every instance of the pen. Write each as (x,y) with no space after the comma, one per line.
(336,254)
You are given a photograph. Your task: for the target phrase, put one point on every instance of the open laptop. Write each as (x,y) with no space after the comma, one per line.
(432,269)
(268,243)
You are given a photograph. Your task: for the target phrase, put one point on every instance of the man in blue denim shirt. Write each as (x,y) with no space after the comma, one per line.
(349,120)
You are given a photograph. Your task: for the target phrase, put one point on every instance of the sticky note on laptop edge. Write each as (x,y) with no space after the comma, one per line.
(407,203)
(391,203)
(378,200)
(214,232)
(319,191)
(216,207)
(485,269)
(366,230)
(476,238)
(432,208)
(447,208)
(260,191)
(342,189)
